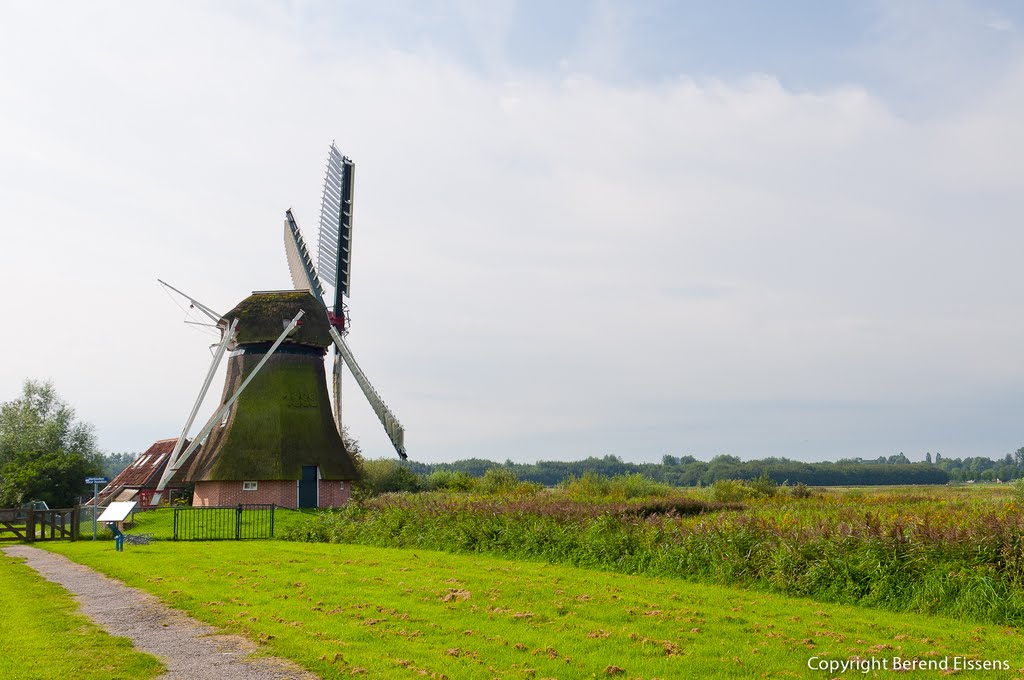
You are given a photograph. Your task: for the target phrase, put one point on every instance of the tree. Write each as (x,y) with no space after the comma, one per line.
(115,463)
(57,478)
(354,450)
(928,457)
(45,454)
(41,421)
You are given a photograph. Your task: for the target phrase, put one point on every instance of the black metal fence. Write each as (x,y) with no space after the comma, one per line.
(233,522)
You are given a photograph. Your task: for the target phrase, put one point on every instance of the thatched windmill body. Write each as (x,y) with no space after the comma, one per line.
(275,438)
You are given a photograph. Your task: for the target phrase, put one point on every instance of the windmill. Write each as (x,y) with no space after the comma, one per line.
(280,438)
(334,265)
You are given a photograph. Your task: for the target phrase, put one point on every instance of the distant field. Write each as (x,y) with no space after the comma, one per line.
(42,635)
(340,610)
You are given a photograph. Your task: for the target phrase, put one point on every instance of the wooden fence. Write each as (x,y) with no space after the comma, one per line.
(26,524)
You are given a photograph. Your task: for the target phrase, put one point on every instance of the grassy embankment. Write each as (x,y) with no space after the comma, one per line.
(952,551)
(42,635)
(342,609)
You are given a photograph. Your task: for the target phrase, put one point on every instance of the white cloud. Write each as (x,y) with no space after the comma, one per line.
(1000,24)
(937,58)
(544,265)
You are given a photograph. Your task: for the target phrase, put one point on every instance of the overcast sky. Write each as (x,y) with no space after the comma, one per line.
(581,228)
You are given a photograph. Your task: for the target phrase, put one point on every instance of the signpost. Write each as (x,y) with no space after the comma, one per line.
(95,481)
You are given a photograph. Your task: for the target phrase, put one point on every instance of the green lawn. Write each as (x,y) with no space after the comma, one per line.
(340,609)
(43,635)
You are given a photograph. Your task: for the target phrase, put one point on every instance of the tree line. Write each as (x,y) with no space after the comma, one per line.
(46,454)
(689,471)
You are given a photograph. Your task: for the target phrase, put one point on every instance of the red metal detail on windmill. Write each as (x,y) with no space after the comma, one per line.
(337,321)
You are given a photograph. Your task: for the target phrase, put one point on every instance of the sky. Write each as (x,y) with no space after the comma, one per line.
(582,228)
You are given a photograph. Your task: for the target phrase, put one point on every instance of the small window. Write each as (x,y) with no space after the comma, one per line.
(248,486)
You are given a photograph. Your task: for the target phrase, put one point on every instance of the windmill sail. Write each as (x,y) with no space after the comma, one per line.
(391,425)
(182,440)
(300,264)
(304,276)
(174,465)
(334,256)
(333,267)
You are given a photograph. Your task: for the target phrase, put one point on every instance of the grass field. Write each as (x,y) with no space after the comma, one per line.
(42,635)
(342,610)
(956,551)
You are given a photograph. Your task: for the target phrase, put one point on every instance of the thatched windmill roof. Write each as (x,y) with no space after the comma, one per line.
(263,315)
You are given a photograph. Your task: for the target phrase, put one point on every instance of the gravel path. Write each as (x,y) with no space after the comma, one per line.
(191,650)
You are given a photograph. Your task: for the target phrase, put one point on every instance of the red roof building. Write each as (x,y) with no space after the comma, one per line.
(138,481)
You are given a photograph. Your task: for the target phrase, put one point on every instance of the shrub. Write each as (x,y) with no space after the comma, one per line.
(591,486)
(1018,491)
(637,486)
(527,488)
(446,480)
(730,491)
(763,487)
(801,490)
(385,476)
(498,480)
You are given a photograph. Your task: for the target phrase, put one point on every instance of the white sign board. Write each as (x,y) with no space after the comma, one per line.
(117,511)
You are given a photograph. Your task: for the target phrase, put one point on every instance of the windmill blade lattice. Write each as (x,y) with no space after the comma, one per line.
(334,255)
(300,264)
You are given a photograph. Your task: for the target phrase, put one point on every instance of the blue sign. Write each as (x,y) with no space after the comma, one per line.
(97,480)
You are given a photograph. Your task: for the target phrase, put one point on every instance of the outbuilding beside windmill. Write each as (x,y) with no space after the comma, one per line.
(138,481)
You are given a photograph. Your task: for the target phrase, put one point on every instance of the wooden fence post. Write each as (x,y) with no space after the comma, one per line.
(30,525)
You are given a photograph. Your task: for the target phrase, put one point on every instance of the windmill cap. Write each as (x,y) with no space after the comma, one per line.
(263,316)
